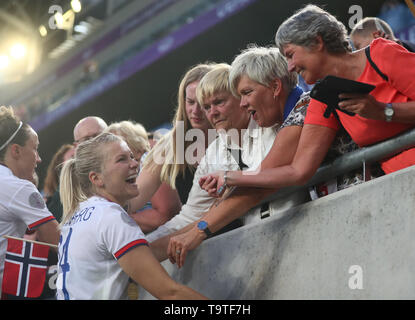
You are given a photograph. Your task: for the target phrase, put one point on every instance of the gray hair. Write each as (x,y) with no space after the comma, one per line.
(74,185)
(263,65)
(306,25)
(366,26)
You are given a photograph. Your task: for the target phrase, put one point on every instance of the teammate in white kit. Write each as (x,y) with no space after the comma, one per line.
(21,204)
(101,246)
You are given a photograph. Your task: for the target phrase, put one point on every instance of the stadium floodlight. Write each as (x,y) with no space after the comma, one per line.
(4,61)
(43,31)
(18,51)
(59,20)
(76,5)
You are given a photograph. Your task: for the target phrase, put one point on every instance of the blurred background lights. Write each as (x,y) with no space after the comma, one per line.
(4,61)
(81,28)
(18,51)
(43,31)
(76,5)
(59,20)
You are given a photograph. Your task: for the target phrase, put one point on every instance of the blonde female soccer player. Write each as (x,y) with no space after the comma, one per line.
(101,246)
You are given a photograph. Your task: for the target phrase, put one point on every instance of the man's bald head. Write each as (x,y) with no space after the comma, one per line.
(88,128)
(368,29)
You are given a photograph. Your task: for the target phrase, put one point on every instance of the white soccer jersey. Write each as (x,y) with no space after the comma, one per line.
(98,234)
(21,207)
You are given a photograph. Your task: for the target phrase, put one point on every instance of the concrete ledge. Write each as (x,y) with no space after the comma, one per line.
(358,243)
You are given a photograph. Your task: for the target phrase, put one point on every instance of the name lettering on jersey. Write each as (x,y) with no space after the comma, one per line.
(82,215)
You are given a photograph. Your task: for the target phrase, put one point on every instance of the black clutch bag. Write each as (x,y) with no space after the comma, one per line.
(328,89)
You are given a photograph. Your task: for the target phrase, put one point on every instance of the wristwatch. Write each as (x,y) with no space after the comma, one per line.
(225,180)
(203,226)
(389,112)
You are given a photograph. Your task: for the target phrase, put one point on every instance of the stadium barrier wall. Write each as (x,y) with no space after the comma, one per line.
(357,243)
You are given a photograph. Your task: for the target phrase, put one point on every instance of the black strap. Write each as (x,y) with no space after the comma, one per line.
(336,115)
(374,66)
(238,157)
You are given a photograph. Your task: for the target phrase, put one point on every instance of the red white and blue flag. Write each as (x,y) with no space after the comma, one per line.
(25,268)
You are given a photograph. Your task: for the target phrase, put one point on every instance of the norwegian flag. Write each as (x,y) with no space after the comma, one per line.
(25,268)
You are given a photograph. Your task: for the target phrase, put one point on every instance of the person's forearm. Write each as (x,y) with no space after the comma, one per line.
(159,246)
(165,205)
(235,207)
(149,219)
(312,149)
(148,183)
(267,182)
(185,293)
(267,178)
(49,232)
(404,112)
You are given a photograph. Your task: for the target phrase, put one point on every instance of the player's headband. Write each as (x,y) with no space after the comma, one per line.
(12,136)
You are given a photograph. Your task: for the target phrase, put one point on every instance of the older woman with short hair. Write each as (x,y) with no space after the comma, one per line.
(264,69)
(259,76)
(315,45)
(384,113)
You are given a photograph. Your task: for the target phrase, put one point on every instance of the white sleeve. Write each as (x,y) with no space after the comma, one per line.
(197,204)
(27,204)
(119,232)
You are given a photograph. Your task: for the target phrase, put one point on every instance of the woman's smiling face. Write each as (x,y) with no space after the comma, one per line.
(119,172)
(307,62)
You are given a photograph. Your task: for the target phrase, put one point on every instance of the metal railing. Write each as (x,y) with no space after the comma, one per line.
(352,161)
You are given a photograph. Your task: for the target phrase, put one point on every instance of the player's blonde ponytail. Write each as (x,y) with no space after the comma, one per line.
(75,186)
(70,190)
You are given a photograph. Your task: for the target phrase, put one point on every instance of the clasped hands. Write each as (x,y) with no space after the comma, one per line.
(213,183)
